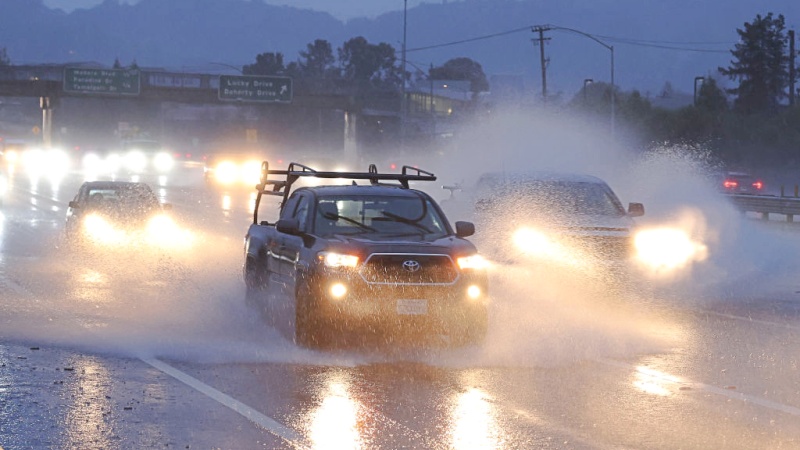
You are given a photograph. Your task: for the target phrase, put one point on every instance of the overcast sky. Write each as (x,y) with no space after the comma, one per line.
(341,9)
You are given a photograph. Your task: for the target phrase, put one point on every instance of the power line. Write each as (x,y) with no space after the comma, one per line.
(664,45)
(463,41)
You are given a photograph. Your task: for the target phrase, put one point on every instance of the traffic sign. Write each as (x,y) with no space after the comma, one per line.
(247,88)
(82,80)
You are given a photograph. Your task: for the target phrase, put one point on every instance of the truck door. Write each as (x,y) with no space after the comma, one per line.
(293,245)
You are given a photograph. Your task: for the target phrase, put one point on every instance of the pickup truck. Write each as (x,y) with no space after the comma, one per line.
(372,256)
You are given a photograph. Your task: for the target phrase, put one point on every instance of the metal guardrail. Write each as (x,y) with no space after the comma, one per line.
(767,204)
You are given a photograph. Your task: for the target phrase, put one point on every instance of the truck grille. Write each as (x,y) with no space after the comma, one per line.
(414,269)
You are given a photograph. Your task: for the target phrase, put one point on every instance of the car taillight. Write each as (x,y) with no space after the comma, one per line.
(730,184)
(758,185)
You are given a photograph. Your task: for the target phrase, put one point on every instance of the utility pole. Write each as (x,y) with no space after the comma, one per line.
(403,80)
(792,54)
(541,39)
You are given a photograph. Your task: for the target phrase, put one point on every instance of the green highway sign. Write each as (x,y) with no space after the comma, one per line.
(247,88)
(82,80)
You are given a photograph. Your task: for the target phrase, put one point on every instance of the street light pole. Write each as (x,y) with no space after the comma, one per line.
(586,83)
(403,79)
(613,94)
(696,79)
(613,85)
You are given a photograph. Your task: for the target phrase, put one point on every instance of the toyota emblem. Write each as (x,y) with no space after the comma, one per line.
(411,265)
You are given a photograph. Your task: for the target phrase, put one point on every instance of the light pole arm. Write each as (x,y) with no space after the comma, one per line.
(609,48)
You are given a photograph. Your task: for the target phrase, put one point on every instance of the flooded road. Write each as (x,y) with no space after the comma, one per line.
(141,348)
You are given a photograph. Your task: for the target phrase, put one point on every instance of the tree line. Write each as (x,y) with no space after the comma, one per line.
(754,123)
(361,65)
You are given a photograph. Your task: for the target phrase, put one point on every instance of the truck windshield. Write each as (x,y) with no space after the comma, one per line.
(381,216)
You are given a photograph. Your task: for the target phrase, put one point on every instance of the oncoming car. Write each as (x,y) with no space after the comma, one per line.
(575,221)
(121,214)
(569,219)
(233,168)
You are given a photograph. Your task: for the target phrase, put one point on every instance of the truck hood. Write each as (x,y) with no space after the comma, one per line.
(449,245)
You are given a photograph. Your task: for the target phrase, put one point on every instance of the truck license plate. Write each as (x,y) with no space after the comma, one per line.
(415,307)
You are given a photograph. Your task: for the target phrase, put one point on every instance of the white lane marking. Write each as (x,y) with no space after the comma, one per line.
(749,320)
(265,422)
(704,387)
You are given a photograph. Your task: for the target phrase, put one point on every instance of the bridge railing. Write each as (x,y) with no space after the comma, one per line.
(765,205)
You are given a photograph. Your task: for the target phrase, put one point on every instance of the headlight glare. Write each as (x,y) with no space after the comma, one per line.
(476,262)
(333,259)
(338,290)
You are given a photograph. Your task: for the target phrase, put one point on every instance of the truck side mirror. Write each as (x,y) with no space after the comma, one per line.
(635,209)
(73,204)
(288,226)
(464,229)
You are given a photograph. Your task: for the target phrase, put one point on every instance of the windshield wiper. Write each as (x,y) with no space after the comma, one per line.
(330,216)
(406,221)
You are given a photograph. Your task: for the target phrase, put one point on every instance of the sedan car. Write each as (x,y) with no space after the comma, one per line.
(121,213)
(742,183)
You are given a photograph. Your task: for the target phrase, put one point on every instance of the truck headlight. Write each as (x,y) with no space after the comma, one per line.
(338,290)
(333,259)
(475,261)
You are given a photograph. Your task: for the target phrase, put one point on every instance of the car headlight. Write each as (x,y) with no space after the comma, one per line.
(163,162)
(163,231)
(11,156)
(251,172)
(476,262)
(666,248)
(100,230)
(534,242)
(226,172)
(333,259)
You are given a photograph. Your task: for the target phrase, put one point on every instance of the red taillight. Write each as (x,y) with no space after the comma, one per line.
(730,184)
(188,155)
(176,155)
(758,185)
(393,166)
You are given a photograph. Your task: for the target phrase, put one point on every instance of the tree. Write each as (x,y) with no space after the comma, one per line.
(369,64)
(760,65)
(462,69)
(4,59)
(269,63)
(710,97)
(317,60)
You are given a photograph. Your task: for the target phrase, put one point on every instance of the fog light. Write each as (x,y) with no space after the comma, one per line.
(473,292)
(338,290)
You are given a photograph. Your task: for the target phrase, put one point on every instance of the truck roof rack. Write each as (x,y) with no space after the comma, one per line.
(295,171)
